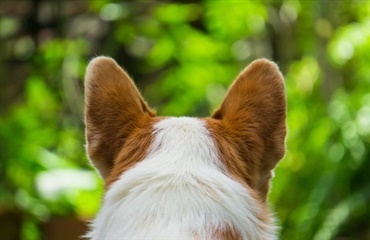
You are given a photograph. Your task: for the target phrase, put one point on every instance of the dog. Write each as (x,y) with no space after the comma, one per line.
(183,177)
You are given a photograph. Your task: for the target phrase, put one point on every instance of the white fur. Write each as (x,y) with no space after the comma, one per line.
(179,191)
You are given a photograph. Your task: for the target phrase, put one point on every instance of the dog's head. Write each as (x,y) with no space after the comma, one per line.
(190,178)
(248,129)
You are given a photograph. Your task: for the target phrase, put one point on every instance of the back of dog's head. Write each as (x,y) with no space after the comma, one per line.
(185,177)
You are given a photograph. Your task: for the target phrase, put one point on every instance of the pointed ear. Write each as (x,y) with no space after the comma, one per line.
(113,110)
(254,114)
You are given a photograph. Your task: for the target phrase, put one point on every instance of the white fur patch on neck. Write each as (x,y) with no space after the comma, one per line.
(179,191)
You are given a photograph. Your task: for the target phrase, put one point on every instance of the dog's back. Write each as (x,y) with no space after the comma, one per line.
(184,178)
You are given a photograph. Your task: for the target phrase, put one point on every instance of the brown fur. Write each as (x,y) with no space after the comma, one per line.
(134,150)
(248,128)
(114,110)
(227,233)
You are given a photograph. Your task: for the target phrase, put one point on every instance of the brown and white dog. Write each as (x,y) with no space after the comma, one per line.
(185,178)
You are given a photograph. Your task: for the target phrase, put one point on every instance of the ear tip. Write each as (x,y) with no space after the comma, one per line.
(267,68)
(101,61)
(98,69)
(264,62)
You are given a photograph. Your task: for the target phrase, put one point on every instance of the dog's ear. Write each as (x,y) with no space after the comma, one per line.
(113,109)
(253,114)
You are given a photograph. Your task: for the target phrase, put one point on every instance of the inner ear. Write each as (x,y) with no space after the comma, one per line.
(114,108)
(253,114)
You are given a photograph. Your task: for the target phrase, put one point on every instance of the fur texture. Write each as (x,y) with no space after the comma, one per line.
(180,190)
(184,178)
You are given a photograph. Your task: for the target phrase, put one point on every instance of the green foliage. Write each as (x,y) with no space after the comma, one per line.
(183,56)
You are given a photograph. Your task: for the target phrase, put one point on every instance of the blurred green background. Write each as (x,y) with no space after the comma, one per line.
(183,55)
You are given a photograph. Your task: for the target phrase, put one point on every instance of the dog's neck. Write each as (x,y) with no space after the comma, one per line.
(181,190)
